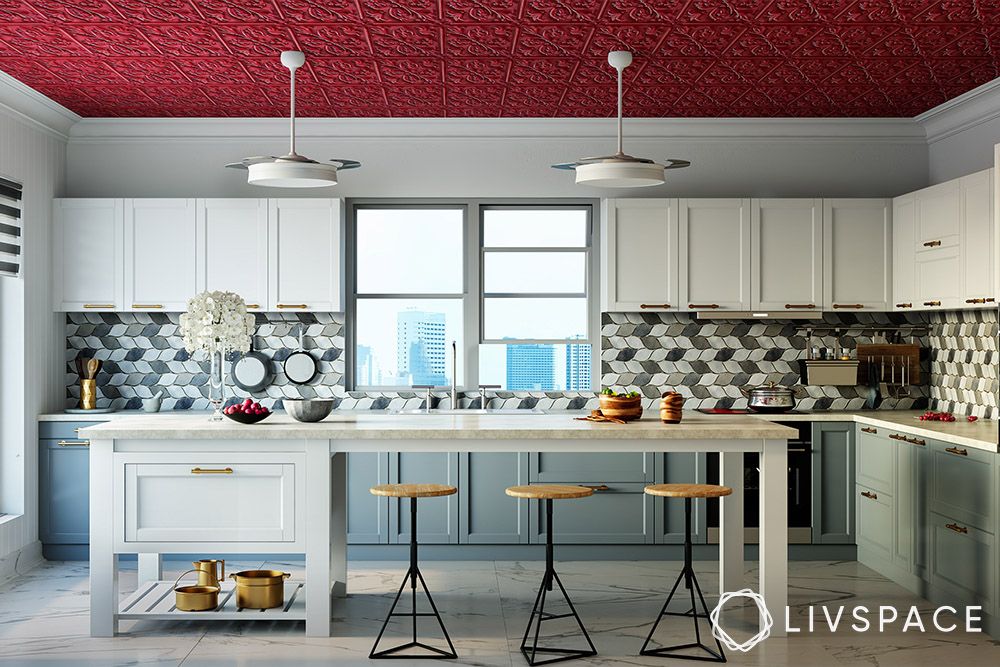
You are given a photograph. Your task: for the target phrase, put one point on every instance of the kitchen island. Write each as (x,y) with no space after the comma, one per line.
(182,484)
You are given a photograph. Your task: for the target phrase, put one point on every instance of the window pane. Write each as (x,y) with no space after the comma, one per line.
(518,272)
(401,342)
(536,228)
(537,319)
(536,367)
(409,251)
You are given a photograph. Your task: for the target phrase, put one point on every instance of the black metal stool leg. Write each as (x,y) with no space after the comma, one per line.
(538,613)
(413,576)
(691,583)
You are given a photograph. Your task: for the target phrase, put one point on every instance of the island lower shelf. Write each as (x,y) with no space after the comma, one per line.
(154,601)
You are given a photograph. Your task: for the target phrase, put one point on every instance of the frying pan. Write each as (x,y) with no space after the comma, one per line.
(300,366)
(252,371)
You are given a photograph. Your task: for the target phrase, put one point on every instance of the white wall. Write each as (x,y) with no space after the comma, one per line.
(961,133)
(500,157)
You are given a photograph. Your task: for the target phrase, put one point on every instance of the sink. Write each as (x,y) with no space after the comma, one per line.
(513,412)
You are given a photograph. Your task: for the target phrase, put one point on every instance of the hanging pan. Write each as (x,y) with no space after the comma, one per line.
(252,371)
(300,366)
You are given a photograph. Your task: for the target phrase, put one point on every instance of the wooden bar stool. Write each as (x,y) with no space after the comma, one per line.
(548,493)
(687,492)
(413,491)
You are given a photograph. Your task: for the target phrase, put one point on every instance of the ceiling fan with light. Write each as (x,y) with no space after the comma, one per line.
(620,170)
(292,170)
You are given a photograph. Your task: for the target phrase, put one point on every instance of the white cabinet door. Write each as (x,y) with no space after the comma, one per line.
(939,211)
(786,254)
(233,248)
(640,254)
(161,251)
(88,241)
(714,246)
(903,251)
(304,251)
(856,254)
(978,242)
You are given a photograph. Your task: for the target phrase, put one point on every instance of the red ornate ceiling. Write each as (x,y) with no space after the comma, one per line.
(501,57)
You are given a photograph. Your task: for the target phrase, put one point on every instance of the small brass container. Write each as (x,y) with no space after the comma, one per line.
(260,589)
(88,394)
(195,598)
(210,571)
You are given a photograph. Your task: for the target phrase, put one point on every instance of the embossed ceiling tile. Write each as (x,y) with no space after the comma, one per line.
(400,11)
(77,11)
(552,41)
(681,44)
(900,44)
(481,11)
(392,40)
(850,74)
(785,95)
(726,95)
(186,40)
(157,11)
(40,41)
(148,71)
(824,44)
(411,71)
(935,38)
(319,11)
(861,39)
(649,97)
(533,71)
(755,104)
(715,39)
(971,42)
(214,70)
(784,74)
(414,96)
(258,40)
(560,11)
(73,95)
(870,11)
(721,73)
(330,72)
(640,39)
(321,41)
(595,73)
(817,70)
(365,112)
(786,39)
(752,43)
(349,96)
(22,68)
(160,94)
(239,11)
(472,112)
(482,40)
(789,11)
(654,74)
(474,96)
(963,72)
(474,71)
(709,11)
(538,97)
(269,73)
(234,96)
(18,11)
(112,40)
(952,11)
(598,100)
(685,69)
(642,11)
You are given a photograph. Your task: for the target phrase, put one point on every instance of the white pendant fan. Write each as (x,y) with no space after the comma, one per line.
(620,170)
(292,170)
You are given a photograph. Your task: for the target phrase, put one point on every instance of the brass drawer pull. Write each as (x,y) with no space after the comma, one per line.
(150,306)
(916,441)
(865,429)
(870,495)
(931,244)
(253,305)
(957,528)
(932,303)
(975,300)
(957,450)
(904,305)
(211,471)
(292,305)
(74,443)
(98,305)
(709,306)
(596,487)
(654,305)
(856,306)
(799,306)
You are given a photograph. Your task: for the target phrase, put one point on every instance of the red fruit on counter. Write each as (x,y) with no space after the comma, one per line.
(972,418)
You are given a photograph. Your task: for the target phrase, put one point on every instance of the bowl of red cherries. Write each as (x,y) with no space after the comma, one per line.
(247,412)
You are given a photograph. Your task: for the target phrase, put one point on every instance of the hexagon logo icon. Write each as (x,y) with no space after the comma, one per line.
(766,622)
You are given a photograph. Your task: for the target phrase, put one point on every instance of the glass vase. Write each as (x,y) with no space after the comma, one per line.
(217,383)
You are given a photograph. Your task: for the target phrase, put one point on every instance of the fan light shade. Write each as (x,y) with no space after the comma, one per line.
(292,174)
(620,174)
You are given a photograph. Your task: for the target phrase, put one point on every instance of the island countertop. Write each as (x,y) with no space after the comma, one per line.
(356,426)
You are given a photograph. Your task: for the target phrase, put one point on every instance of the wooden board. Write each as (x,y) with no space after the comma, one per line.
(908,350)
(155,601)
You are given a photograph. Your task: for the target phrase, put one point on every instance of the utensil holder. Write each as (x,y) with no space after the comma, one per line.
(88,394)
(831,372)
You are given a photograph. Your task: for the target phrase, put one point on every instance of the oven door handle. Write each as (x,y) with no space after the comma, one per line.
(798,450)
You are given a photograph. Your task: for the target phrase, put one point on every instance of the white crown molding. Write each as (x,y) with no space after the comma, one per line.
(129,130)
(969,109)
(31,107)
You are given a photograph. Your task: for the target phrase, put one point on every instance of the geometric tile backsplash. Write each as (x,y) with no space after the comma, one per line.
(707,361)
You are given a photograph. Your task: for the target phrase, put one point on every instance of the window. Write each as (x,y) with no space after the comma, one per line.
(10,227)
(510,284)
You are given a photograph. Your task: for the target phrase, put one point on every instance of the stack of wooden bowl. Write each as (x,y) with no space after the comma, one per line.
(671,405)
(626,408)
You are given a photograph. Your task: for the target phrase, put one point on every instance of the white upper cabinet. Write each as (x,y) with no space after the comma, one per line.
(939,210)
(857,236)
(640,255)
(88,240)
(786,254)
(904,219)
(714,247)
(233,248)
(304,252)
(161,250)
(979,238)
(937,279)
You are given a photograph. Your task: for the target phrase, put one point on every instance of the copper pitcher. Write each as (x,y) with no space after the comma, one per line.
(206,569)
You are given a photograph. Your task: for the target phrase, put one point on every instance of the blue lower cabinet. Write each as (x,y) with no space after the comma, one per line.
(63,485)
(617,513)
(367,515)
(487,515)
(668,513)
(833,474)
(437,518)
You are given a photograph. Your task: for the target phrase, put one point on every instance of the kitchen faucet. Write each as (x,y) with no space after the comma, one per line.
(454,375)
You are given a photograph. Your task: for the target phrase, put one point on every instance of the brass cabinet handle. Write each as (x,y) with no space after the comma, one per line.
(865,429)
(596,487)
(211,471)
(932,303)
(151,306)
(799,306)
(253,305)
(957,450)
(710,306)
(981,300)
(870,495)
(654,305)
(98,305)
(932,244)
(74,443)
(837,306)
(292,305)
(904,305)
(957,528)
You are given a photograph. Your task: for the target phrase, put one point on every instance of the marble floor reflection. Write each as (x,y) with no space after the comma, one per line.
(44,621)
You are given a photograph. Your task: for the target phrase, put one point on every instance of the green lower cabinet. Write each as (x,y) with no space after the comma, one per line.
(962,568)
(875,522)
(617,513)
(437,518)
(668,513)
(833,473)
(367,515)
(487,515)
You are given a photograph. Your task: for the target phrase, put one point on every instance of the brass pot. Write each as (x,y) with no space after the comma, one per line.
(195,598)
(260,589)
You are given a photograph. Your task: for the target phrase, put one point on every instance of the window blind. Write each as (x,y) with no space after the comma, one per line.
(10,228)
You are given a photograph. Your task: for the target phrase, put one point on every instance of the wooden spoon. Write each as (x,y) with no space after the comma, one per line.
(92,367)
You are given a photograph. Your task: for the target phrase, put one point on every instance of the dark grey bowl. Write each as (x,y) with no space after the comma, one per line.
(308,409)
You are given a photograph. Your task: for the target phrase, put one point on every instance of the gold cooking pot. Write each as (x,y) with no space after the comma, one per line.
(260,589)
(195,598)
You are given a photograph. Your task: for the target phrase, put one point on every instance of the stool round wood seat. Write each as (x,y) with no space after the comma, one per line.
(549,491)
(413,490)
(687,490)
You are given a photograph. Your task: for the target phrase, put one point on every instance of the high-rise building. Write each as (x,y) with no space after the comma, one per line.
(531,367)
(577,367)
(420,347)
(365,373)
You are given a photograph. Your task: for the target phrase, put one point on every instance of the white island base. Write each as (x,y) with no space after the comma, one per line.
(180,484)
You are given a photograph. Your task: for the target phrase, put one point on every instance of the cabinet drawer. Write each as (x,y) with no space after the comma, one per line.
(212,500)
(876,456)
(571,468)
(961,561)
(619,514)
(875,522)
(962,484)
(63,430)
